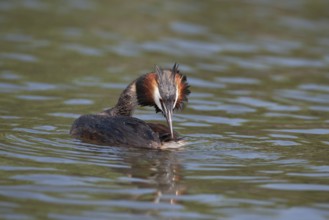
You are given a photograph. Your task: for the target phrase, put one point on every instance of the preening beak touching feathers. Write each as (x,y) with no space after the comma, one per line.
(164,89)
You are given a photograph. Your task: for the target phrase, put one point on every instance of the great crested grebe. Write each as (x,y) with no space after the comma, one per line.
(166,90)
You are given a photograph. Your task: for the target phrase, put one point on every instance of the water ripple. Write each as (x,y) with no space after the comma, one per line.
(305,131)
(238,80)
(35,97)
(214,119)
(296,187)
(265,104)
(84,50)
(303,96)
(59,180)
(290,61)
(315,87)
(19,57)
(204,83)
(232,109)
(78,102)
(187,28)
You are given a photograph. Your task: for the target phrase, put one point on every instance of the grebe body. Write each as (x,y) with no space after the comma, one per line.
(165,90)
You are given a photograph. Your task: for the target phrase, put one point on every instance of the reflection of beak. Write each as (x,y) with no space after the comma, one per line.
(168,110)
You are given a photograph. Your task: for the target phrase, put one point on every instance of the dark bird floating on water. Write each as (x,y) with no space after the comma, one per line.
(166,90)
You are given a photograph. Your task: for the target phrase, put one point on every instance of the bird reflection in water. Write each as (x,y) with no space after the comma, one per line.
(156,170)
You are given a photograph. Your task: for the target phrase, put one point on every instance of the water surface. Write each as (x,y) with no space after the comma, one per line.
(257,121)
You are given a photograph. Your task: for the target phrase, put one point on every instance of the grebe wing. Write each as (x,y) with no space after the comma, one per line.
(115,130)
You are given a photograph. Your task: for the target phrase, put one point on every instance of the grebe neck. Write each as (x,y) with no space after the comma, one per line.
(126,104)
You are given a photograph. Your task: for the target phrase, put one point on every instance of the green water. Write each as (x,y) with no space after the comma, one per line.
(257,121)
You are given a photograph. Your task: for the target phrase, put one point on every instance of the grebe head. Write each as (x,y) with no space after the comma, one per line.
(166,90)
